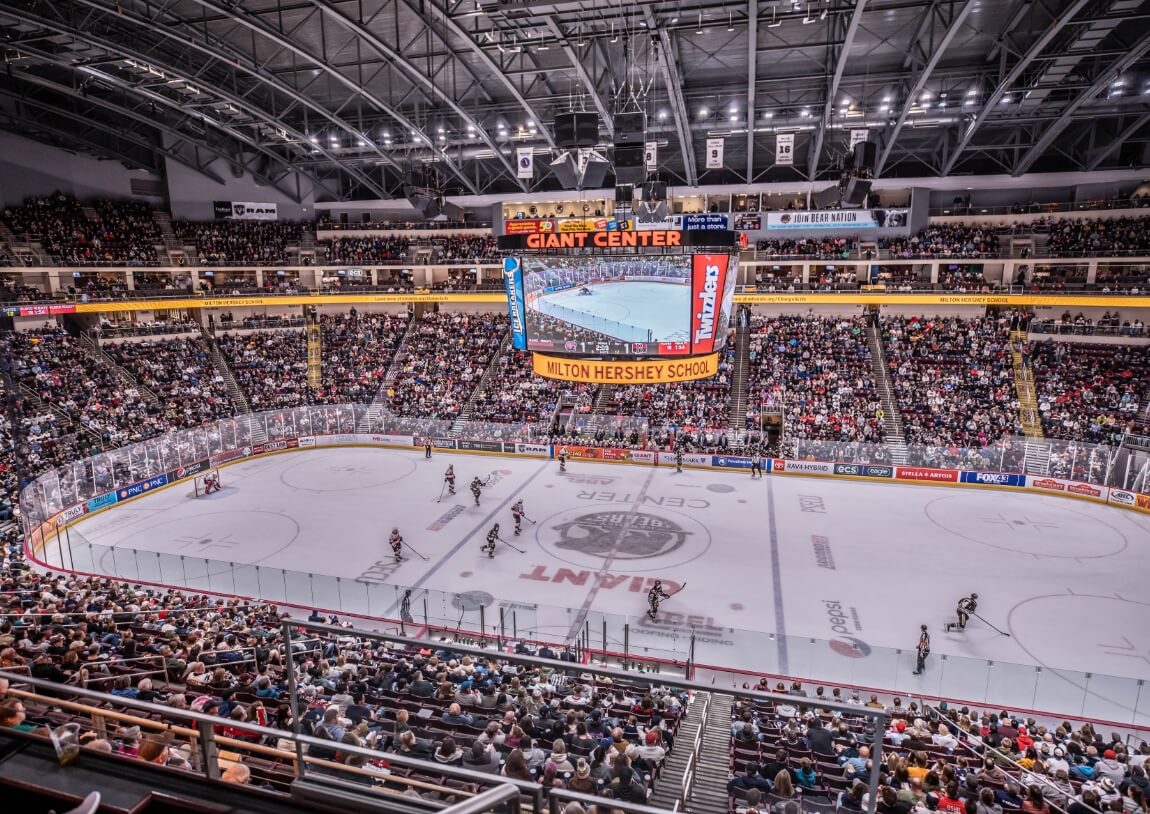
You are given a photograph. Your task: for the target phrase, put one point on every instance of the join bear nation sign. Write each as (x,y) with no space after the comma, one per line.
(652,371)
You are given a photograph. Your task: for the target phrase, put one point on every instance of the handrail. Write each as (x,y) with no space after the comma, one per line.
(199,728)
(486,800)
(690,771)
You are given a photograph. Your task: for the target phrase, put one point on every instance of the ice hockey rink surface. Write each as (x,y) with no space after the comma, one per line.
(626,311)
(808,577)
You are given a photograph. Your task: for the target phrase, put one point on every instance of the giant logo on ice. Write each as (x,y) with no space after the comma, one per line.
(627,536)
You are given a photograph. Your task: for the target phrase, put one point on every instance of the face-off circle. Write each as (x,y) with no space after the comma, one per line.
(1026,524)
(1123,649)
(636,540)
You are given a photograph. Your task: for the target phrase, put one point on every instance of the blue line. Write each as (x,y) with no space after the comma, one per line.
(777,582)
(443,560)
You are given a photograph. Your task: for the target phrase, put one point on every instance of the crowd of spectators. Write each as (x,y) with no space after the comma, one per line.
(461,248)
(944,240)
(442,361)
(227,659)
(270,366)
(367,250)
(818,371)
(823,248)
(232,242)
(123,232)
(84,389)
(1097,237)
(953,379)
(1089,392)
(796,756)
(515,394)
(180,372)
(685,409)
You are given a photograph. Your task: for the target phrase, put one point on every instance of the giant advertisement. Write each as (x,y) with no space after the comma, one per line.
(513,278)
(712,298)
(837,219)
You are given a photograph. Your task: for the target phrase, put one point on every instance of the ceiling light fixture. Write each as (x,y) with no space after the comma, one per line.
(775,22)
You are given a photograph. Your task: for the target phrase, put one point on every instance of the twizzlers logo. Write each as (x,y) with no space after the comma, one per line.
(707,280)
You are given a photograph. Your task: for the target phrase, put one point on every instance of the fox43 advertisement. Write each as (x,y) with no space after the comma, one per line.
(712,298)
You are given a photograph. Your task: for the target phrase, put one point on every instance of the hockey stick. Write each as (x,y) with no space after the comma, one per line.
(442,489)
(681,587)
(520,550)
(529,520)
(992,627)
(416,553)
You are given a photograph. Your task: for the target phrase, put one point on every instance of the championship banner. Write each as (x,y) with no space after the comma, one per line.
(858,136)
(244,210)
(513,279)
(651,371)
(651,156)
(785,149)
(715,153)
(525,162)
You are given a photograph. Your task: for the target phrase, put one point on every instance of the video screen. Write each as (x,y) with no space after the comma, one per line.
(670,305)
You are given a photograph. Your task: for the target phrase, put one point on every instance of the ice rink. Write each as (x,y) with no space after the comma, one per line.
(626,311)
(816,578)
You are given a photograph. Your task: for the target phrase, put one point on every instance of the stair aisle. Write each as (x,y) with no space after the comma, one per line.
(379,403)
(892,430)
(737,414)
(220,362)
(682,762)
(497,359)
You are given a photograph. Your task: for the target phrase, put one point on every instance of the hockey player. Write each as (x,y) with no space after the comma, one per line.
(584,291)
(966,608)
(396,543)
(492,538)
(476,488)
(449,479)
(922,650)
(678,459)
(427,447)
(654,597)
(756,464)
(517,513)
(211,483)
(562,459)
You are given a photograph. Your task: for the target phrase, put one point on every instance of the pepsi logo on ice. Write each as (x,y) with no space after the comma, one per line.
(845,644)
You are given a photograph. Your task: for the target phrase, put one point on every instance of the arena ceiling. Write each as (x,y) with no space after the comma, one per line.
(349,95)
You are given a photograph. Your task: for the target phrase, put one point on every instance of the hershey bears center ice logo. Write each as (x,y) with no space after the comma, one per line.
(587,538)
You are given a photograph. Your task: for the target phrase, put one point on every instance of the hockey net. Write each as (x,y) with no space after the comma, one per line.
(201,481)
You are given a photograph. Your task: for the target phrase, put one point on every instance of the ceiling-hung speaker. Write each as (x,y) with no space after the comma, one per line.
(594,171)
(856,192)
(826,198)
(566,171)
(655,191)
(630,127)
(452,211)
(866,155)
(624,196)
(573,130)
(630,167)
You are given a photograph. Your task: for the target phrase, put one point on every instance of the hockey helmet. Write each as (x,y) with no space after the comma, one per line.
(495,527)
(974,596)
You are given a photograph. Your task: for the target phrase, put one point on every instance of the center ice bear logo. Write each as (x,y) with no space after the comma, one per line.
(631,536)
